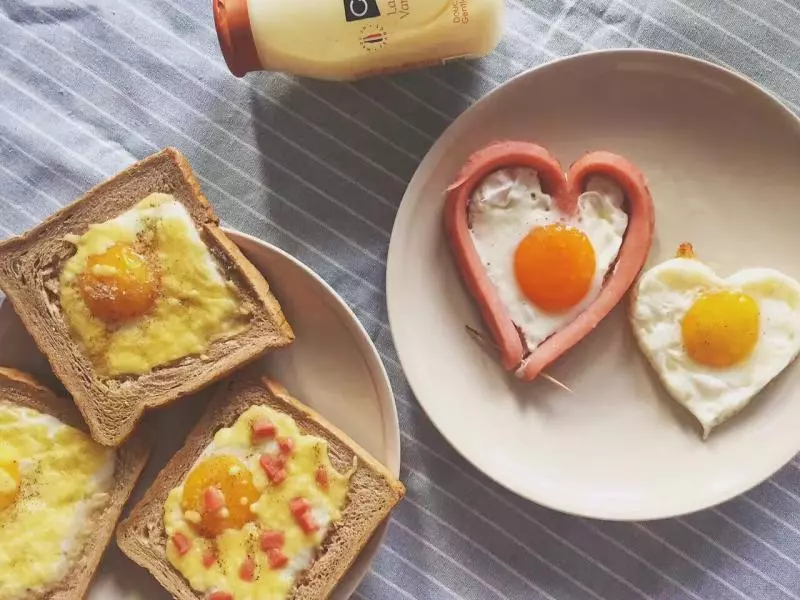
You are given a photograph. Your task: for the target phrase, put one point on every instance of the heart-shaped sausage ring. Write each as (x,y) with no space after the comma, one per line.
(565,190)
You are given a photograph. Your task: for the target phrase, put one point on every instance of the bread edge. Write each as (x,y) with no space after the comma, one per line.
(130,462)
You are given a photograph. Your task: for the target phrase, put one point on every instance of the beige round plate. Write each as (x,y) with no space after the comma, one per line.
(721,157)
(332,366)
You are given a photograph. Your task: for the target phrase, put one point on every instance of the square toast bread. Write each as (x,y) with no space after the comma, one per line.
(21,389)
(373,491)
(30,266)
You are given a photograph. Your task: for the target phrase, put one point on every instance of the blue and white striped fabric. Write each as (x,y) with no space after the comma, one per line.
(87,87)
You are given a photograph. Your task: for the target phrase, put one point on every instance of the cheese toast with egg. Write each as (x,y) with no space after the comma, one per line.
(137,297)
(192,564)
(41,438)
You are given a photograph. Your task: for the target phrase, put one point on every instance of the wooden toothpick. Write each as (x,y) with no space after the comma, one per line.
(481,339)
(556,382)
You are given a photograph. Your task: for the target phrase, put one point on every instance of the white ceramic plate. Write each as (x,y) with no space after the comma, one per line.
(332,366)
(721,157)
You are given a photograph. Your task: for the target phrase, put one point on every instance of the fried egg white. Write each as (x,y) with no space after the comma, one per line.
(510,205)
(143,290)
(716,342)
(54,480)
(253,504)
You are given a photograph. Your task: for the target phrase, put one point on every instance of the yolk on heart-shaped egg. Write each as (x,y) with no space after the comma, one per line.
(10,480)
(119,284)
(214,491)
(721,328)
(554,266)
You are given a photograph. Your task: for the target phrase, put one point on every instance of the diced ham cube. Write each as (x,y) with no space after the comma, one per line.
(299,506)
(181,543)
(213,499)
(247,571)
(277,559)
(322,477)
(273,467)
(263,429)
(286,445)
(307,523)
(271,540)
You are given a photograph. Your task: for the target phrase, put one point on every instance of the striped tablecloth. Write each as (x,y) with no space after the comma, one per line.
(87,87)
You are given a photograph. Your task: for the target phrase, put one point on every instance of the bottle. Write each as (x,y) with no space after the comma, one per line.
(349,39)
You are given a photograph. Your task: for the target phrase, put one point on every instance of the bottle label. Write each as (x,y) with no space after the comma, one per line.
(356,10)
(460,10)
(409,12)
(373,37)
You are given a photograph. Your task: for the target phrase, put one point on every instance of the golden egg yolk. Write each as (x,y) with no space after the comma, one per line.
(721,328)
(119,284)
(554,266)
(10,480)
(230,476)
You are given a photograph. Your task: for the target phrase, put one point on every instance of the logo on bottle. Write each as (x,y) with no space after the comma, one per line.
(355,10)
(373,37)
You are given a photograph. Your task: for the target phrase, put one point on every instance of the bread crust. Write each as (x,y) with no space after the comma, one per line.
(373,492)
(30,266)
(22,389)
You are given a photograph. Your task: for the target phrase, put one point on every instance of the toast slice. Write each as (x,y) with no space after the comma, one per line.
(21,389)
(372,494)
(29,274)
